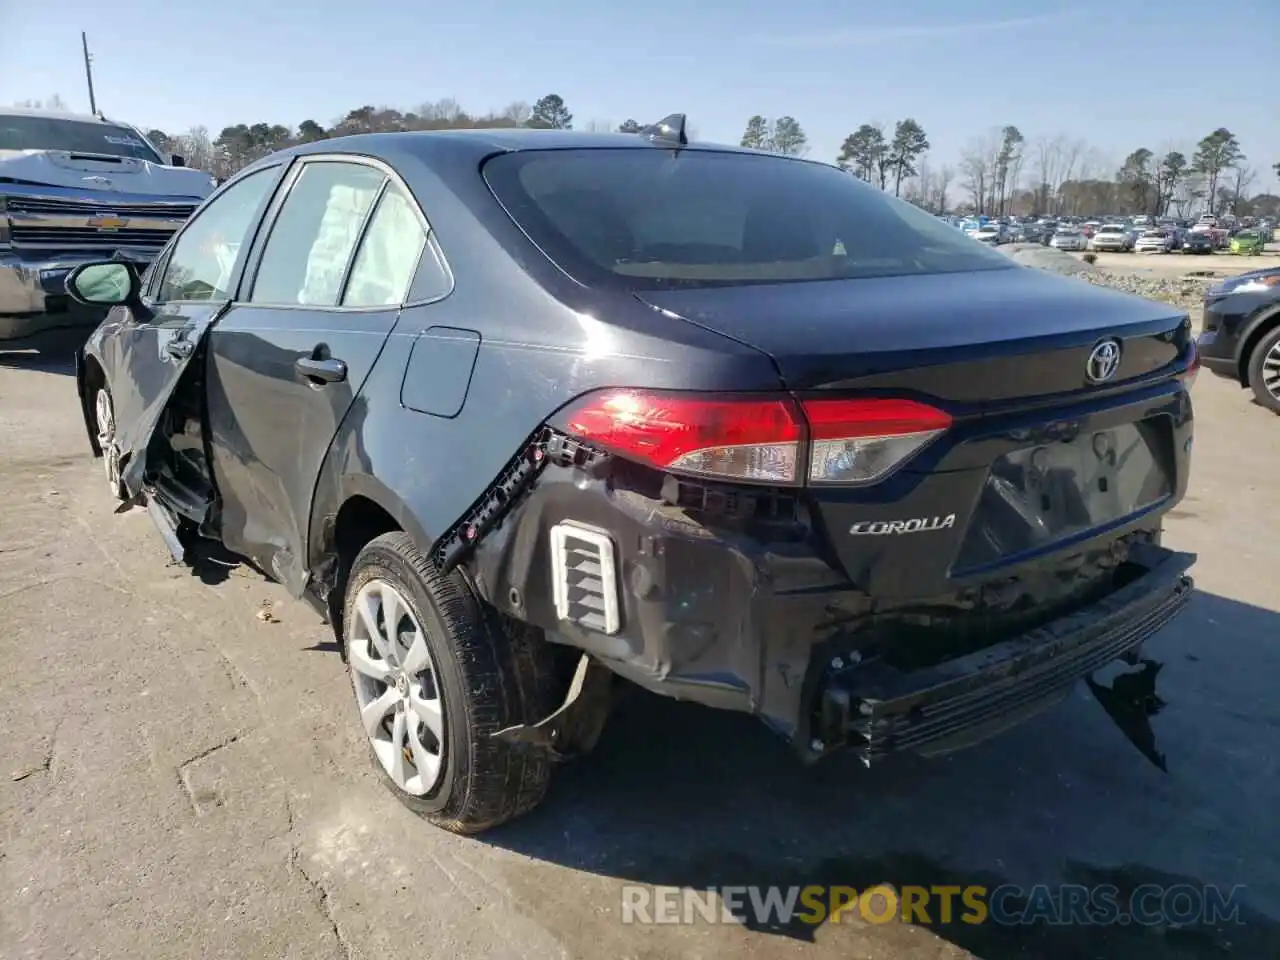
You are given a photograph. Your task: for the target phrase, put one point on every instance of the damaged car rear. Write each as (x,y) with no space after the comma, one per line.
(520,411)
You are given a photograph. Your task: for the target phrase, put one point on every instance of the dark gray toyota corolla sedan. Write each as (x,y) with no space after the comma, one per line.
(525,411)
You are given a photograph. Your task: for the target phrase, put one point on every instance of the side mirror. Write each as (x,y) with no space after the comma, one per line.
(177,160)
(107,283)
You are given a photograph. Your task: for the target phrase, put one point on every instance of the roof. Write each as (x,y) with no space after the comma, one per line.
(489,140)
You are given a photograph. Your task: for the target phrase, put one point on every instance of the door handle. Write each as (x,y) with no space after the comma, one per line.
(321,371)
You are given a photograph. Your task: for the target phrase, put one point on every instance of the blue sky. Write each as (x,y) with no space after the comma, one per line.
(1109,73)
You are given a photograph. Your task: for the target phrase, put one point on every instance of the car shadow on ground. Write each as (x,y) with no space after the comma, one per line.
(681,796)
(45,361)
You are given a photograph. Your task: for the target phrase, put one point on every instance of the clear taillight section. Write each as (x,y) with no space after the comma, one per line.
(774,439)
(861,441)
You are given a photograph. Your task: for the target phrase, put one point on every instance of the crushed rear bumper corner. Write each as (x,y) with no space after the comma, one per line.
(877,711)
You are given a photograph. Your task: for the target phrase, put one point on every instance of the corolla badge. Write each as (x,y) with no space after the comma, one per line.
(1104,361)
(885,528)
(100,183)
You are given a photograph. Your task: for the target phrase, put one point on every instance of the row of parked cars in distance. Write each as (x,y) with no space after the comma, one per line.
(1124,235)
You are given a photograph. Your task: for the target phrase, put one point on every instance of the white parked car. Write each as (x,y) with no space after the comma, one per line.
(989,233)
(1155,241)
(1069,240)
(1115,237)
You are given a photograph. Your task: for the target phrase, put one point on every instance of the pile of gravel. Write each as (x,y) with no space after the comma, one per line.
(1179,291)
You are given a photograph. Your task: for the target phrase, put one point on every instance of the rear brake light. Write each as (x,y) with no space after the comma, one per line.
(1188,376)
(755,438)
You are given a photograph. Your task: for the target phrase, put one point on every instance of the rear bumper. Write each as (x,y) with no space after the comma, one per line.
(878,711)
(33,292)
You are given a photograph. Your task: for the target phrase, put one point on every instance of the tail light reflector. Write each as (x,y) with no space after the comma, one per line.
(756,438)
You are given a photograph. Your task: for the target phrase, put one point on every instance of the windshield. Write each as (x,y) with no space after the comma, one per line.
(652,218)
(76,136)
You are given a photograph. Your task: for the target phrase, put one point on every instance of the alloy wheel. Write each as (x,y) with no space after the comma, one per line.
(397,687)
(1271,370)
(105,421)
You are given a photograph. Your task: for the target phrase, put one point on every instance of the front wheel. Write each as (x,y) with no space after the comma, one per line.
(436,674)
(104,419)
(1264,371)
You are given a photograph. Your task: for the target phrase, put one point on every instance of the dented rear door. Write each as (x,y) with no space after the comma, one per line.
(153,344)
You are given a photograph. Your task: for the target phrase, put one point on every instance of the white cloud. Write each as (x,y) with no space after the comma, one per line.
(871,36)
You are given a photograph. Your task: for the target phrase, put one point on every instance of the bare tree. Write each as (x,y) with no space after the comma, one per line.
(599,126)
(1047,156)
(445,111)
(517,112)
(1240,184)
(978,168)
(54,102)
(941,184)
(196,148)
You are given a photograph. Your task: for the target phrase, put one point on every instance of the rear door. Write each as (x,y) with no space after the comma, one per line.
(324,290)
(186,292)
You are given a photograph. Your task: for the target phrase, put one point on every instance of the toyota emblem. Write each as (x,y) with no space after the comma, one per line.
(1104,361)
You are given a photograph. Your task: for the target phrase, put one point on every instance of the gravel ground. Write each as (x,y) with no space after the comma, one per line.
(1178,280)
(184,778)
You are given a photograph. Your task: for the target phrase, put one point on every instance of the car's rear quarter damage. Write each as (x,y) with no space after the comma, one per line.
(848,617)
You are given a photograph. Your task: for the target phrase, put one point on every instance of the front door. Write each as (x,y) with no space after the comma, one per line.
(189,288)
(287,360)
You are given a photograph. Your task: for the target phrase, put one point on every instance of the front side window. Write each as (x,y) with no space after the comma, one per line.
(312,240)
(202,264)
(653,218)
(388,254)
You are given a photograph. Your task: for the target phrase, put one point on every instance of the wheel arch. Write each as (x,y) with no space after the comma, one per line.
(1257,328)
(89,377)
(348,512)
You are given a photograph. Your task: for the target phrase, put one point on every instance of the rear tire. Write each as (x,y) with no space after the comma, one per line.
(455,673)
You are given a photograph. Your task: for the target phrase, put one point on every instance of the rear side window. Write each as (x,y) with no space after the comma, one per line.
(653,218)
(388,253)
(312,239)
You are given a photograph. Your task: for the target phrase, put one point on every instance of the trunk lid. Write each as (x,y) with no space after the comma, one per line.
(974,339)
(1038,461)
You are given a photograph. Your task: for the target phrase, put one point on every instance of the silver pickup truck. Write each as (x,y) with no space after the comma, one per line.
(76,188)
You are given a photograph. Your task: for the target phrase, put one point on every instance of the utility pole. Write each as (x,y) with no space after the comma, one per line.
(88,72)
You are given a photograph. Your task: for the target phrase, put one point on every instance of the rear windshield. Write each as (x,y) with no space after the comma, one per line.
(76,136)
(650,219)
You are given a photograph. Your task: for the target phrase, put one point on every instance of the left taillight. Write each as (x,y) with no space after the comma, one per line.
(757,439)
(1188,376)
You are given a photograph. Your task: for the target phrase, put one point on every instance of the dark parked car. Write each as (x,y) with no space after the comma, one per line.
(1197,241)
(1241,333)
(522,410)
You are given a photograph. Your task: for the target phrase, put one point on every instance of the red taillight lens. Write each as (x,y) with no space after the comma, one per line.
(1193,365)
(755,438)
